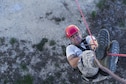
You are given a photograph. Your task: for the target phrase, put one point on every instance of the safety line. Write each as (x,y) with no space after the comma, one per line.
(84,20)
(119,55)
(87,27)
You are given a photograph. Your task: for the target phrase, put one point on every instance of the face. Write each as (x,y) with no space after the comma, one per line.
(76,38)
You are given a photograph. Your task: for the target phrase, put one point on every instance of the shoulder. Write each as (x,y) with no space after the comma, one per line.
(70,50)
(89,38)
(71,45)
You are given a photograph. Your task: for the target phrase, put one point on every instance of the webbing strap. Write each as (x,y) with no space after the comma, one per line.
(86,45)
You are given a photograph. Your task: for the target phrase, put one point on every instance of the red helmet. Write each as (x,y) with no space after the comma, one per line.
(71,30)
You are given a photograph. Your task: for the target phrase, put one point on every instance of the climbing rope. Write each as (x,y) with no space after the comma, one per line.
(87,27)
(84,20)
(119,55)
(111,54)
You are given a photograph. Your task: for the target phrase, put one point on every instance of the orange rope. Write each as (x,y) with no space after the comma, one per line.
(120,55)
(87,27)
(84,20)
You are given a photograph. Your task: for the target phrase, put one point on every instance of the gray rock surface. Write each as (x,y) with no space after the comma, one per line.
(32,40)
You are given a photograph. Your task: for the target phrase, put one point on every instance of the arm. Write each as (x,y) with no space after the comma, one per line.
(73,60)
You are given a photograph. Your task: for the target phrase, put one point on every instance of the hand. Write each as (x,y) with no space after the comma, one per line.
(94,44)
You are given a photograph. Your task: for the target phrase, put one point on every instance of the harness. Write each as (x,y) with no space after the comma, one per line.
(86,45)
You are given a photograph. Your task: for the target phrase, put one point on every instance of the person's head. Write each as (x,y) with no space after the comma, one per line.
(73,33)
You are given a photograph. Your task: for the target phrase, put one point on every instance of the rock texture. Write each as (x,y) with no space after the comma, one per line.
(32,40)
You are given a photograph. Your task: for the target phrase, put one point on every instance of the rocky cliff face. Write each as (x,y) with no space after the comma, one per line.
(25,63)
(43,61)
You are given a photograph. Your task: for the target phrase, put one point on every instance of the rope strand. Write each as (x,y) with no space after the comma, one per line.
(87,27)
(119,55)
(84,20)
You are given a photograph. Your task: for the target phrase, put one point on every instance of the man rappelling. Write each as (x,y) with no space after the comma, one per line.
(82,51)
